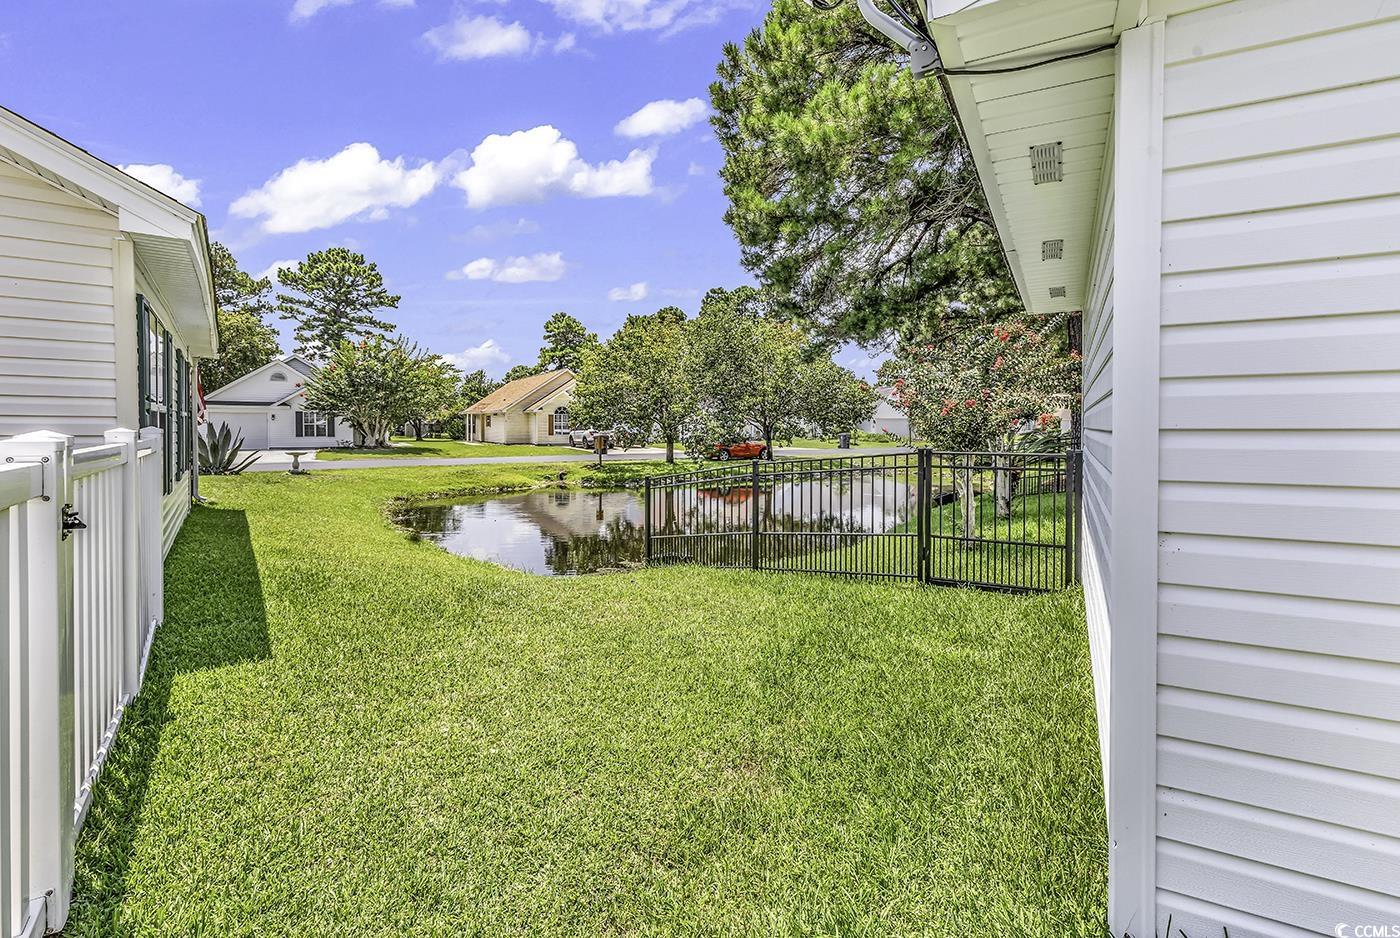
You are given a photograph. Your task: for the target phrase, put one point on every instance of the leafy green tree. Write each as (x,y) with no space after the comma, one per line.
(851,191)
(474,386)
(565,341)
(333,297)
(246,343)
(520,371)
(376,384)
(838,401)
(754,373)
(640,378)
(437,396)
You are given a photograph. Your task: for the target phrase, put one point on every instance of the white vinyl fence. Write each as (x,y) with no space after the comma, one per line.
(81,581)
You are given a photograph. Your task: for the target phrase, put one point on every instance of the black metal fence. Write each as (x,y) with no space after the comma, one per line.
(994,520)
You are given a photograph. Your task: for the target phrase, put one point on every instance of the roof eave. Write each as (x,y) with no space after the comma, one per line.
(142,212)
(1001,115)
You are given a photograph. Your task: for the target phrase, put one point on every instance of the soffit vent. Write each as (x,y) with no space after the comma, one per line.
(1047,163)
(1052,250)
(1057,293)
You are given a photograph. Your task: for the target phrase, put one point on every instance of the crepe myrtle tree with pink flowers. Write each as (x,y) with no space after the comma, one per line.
(993,387)
(377,384)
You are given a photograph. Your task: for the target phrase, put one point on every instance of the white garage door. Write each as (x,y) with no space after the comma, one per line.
(251,423)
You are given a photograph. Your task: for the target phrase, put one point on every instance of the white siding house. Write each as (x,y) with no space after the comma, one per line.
(105,302)
(268,407)
(1225,180)
(887,417)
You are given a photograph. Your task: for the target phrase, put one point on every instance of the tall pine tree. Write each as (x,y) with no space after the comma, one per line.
(565,341)
(333,296)
(852,193)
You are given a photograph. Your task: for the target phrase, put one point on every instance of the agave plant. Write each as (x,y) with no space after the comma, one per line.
(219,452)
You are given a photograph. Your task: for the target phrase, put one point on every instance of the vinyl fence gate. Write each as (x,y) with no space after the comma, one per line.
(1004,521)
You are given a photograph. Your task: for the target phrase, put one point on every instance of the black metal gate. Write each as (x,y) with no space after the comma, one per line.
(994,520)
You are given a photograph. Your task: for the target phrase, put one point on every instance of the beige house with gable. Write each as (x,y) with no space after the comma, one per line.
(530,410)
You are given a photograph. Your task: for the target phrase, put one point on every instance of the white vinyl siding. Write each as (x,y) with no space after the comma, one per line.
(1279,504)
(58,359)
(1096,431)
(510,427)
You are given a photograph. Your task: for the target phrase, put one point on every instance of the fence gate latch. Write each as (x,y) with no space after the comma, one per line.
(71,521)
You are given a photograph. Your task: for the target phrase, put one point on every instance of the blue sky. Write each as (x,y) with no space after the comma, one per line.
(498,160)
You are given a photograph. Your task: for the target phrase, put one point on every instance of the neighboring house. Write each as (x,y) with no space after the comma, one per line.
(105,303)
(1216,185)
(268,406)
(529,410)
(887,418)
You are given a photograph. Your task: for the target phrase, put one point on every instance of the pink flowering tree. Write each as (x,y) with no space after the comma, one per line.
(989,388)
(377,384)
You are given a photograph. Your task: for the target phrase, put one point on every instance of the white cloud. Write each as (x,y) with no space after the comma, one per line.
(479,37)
(305,9)
(637,291)
(315,194)
(531,269)
(565,42)
(488,355)
(696,169)
(162,176)
(627,15)
(528,165)
(270,271)
(504,229)
(659,118)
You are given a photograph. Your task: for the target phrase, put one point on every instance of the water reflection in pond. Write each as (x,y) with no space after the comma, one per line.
(560,531)
(823,504)
(555,532)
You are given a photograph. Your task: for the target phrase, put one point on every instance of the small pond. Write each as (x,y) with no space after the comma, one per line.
(555,532)
(560,532)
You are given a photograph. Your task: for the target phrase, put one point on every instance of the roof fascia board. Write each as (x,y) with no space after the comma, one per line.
(536,395)
(141,209)
(959,94)
(543,402)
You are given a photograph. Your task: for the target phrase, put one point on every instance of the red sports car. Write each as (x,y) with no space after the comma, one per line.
(747,449)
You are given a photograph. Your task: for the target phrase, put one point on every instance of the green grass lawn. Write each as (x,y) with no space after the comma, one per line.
(405,447)
(347,732)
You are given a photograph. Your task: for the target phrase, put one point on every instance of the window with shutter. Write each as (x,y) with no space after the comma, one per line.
(177,423)
(188,435)
(167,381)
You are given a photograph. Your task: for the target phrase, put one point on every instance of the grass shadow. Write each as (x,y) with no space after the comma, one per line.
(215,617)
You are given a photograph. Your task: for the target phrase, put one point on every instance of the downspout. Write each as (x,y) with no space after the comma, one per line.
(923,55)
